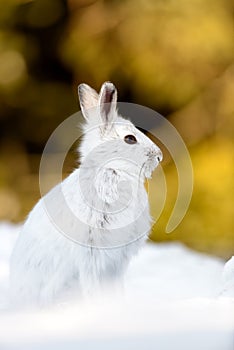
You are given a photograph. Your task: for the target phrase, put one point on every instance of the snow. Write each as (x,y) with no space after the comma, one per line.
(174,298)
(228,278)
(8,235)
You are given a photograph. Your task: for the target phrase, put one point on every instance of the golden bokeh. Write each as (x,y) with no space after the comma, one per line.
(176,57)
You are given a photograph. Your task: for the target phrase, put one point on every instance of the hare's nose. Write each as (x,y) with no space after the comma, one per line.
(159,156)
(155,153)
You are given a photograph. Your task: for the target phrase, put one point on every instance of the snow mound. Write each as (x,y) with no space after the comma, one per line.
(175,272)
(8,236)
(228,278)
(174,298)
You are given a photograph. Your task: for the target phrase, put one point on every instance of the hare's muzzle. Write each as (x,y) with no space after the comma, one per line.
(152,154)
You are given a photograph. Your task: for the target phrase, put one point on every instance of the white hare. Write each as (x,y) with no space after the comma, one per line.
(83,233)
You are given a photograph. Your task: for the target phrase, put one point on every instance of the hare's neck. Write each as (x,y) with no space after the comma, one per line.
(109,185)
(112,200)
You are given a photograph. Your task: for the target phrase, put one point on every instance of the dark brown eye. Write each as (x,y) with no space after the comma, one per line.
(130,139)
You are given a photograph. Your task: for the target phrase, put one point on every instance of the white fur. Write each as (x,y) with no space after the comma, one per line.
(83,233)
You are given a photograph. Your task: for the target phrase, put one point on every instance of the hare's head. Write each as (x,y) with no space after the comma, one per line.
(110,140)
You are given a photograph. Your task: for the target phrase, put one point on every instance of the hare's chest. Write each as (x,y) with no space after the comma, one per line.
(102,265)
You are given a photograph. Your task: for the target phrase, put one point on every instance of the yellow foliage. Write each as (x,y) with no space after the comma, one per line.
(209,224)
(174,56)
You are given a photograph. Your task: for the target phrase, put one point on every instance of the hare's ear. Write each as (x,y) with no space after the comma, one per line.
(107,103)
(88,99)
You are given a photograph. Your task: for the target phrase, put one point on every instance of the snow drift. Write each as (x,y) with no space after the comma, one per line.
(174,298)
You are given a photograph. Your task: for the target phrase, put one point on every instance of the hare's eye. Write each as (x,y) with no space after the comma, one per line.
(130,139)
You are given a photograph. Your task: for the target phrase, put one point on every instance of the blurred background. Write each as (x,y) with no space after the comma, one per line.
(174,56)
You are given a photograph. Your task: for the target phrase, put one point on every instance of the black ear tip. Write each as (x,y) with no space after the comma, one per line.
(108,91)
(109,86)
(82,87)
